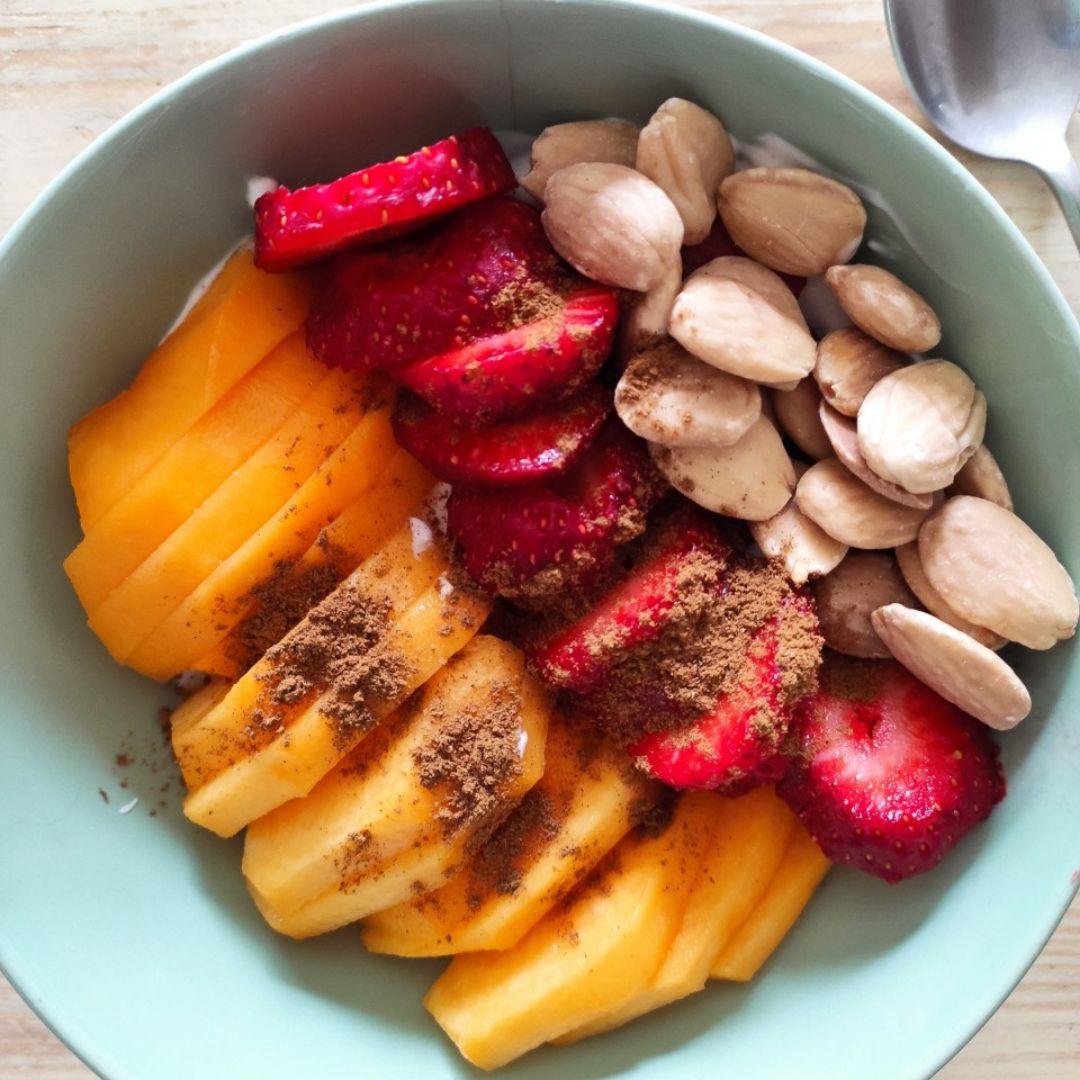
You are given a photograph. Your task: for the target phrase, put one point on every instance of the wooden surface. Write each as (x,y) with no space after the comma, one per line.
(70,68)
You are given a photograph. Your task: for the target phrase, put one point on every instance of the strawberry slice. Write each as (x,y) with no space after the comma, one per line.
(634,612)
(293,227)
(538,447)
(507,374)
(532,544)
(420,296)
(890,775)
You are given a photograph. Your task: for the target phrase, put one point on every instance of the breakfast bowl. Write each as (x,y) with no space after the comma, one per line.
(131,932)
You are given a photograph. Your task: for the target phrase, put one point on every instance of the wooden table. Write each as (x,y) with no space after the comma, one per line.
(69,69)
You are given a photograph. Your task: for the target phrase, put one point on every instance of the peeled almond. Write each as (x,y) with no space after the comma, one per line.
(993,570)
(752,479)
(612,141)
(919,425)
(647,319)
(844,442)
(960,669)
(757,277)
(791,538)
(848,364)
(737,330)
(668,397)
(983,478)
(797,413)
(881,305)
(846,598)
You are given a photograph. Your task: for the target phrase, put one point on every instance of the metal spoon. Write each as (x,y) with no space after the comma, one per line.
(998,77)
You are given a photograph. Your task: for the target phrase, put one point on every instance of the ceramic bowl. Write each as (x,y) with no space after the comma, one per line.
(132,934)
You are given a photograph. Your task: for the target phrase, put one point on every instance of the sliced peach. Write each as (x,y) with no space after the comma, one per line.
(188,472)
(801,871)
(583,805)
(241,318)
(326,860)
(590,955)
(203,617)
(427,635)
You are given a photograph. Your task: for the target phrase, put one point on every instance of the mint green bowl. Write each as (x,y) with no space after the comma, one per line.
(132,934)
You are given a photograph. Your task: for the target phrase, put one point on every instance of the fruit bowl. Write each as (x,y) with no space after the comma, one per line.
(132,932)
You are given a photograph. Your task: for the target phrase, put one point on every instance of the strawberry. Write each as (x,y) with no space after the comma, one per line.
(889,775)
(308,223)
(507,374)
(635,611)
(531,544)
(538,447)
(420,296)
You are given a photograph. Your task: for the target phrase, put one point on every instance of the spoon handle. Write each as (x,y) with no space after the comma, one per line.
(1064,180)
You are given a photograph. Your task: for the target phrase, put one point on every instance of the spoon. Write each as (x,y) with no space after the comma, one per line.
(998,77)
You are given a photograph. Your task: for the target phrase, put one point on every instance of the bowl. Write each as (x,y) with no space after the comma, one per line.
(131,932)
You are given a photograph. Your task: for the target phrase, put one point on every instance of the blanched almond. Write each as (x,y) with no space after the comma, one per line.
(757,277)
(982,477)
(613,225)
(881,305)
(993,570)
(668,397)
(792,220)
(687,151)
(907,557)
(846,598)
(797,413)
(853,513)
(752,479)
(919,425)
(848,364)
(804,549)
(612,141)
(844,442)
(647,319)
(956,666)
(736,329)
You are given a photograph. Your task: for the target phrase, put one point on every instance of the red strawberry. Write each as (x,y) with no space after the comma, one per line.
(296,227)
(507,374)
(538,447)
(890,775)
(420,296)
(635,611)
(532,544)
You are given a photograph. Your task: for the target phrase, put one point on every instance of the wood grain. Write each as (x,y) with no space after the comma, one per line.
(69,69)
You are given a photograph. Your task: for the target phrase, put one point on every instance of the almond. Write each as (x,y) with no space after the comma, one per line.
(797,413)
(853,513)
(881,305)
(736,329)
(752,479)
(613,225)
(993,570)
(960,669)
(792,220)
(647,318)
(982,477)
(759,278)
(687,151)
(848,364)
(611,141)
(668,397)
(846,598)
(918,426)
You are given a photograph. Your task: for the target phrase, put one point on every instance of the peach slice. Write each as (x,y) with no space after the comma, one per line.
(242,317)
(582,807)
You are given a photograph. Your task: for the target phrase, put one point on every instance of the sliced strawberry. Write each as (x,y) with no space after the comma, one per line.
(507,374)
(890,775)
(540,446)
(532,544)
(384,200)
(636,610)
(420,296)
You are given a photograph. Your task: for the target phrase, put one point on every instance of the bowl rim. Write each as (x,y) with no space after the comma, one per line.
(66,1027)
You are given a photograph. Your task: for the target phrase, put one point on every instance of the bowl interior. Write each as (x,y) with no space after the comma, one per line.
(132,933)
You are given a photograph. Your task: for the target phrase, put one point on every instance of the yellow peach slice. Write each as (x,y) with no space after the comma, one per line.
(582,807)
(242,317)
(801,871)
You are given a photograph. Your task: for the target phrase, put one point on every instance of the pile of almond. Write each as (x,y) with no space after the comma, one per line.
(902,518)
